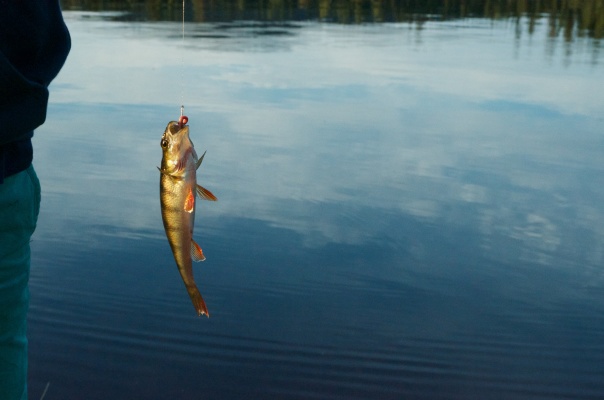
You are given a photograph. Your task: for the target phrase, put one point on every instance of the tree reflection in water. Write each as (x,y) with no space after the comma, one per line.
(566,18)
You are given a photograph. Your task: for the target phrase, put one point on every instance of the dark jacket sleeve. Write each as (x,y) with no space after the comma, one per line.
(22,103)
(34,43)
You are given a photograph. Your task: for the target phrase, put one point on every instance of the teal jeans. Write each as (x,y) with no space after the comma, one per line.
(19,207)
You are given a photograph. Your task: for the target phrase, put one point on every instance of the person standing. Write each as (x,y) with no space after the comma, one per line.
(34,43)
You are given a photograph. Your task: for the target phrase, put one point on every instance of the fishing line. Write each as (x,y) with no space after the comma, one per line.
(45,390)
(183,118)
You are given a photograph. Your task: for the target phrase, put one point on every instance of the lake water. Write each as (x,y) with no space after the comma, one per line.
(408,209)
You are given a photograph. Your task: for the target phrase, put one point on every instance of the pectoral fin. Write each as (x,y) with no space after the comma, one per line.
(190,201)
(196,252)
(205,194)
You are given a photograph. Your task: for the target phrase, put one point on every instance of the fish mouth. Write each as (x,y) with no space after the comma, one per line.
(174,128)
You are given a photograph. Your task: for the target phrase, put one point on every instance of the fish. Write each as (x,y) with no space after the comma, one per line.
(178,191)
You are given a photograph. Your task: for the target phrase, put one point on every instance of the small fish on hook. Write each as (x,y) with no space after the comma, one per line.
(178,196)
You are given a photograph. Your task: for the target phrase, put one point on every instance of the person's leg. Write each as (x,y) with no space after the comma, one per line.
(19,207)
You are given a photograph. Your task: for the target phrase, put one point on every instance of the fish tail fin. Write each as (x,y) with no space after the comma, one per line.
(197,301)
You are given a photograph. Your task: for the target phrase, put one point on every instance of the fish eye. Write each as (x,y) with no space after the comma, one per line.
(164,143)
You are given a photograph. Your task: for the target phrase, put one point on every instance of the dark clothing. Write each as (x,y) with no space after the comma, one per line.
(34,43)
(19,208)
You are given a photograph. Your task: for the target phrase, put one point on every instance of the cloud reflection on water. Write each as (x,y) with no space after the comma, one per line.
(401,211)
(464,128)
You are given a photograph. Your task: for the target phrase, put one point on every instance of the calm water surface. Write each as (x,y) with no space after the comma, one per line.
(405,210)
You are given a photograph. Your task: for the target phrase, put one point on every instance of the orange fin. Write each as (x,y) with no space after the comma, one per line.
(205,194)
(196,252)
(190,202)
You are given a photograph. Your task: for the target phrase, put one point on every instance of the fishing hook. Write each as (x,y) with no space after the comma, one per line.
(182,121)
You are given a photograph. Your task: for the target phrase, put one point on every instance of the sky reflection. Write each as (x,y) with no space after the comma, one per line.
(405,210)
(466,126)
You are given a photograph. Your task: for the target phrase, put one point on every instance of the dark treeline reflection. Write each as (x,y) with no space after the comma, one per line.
(565,17)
